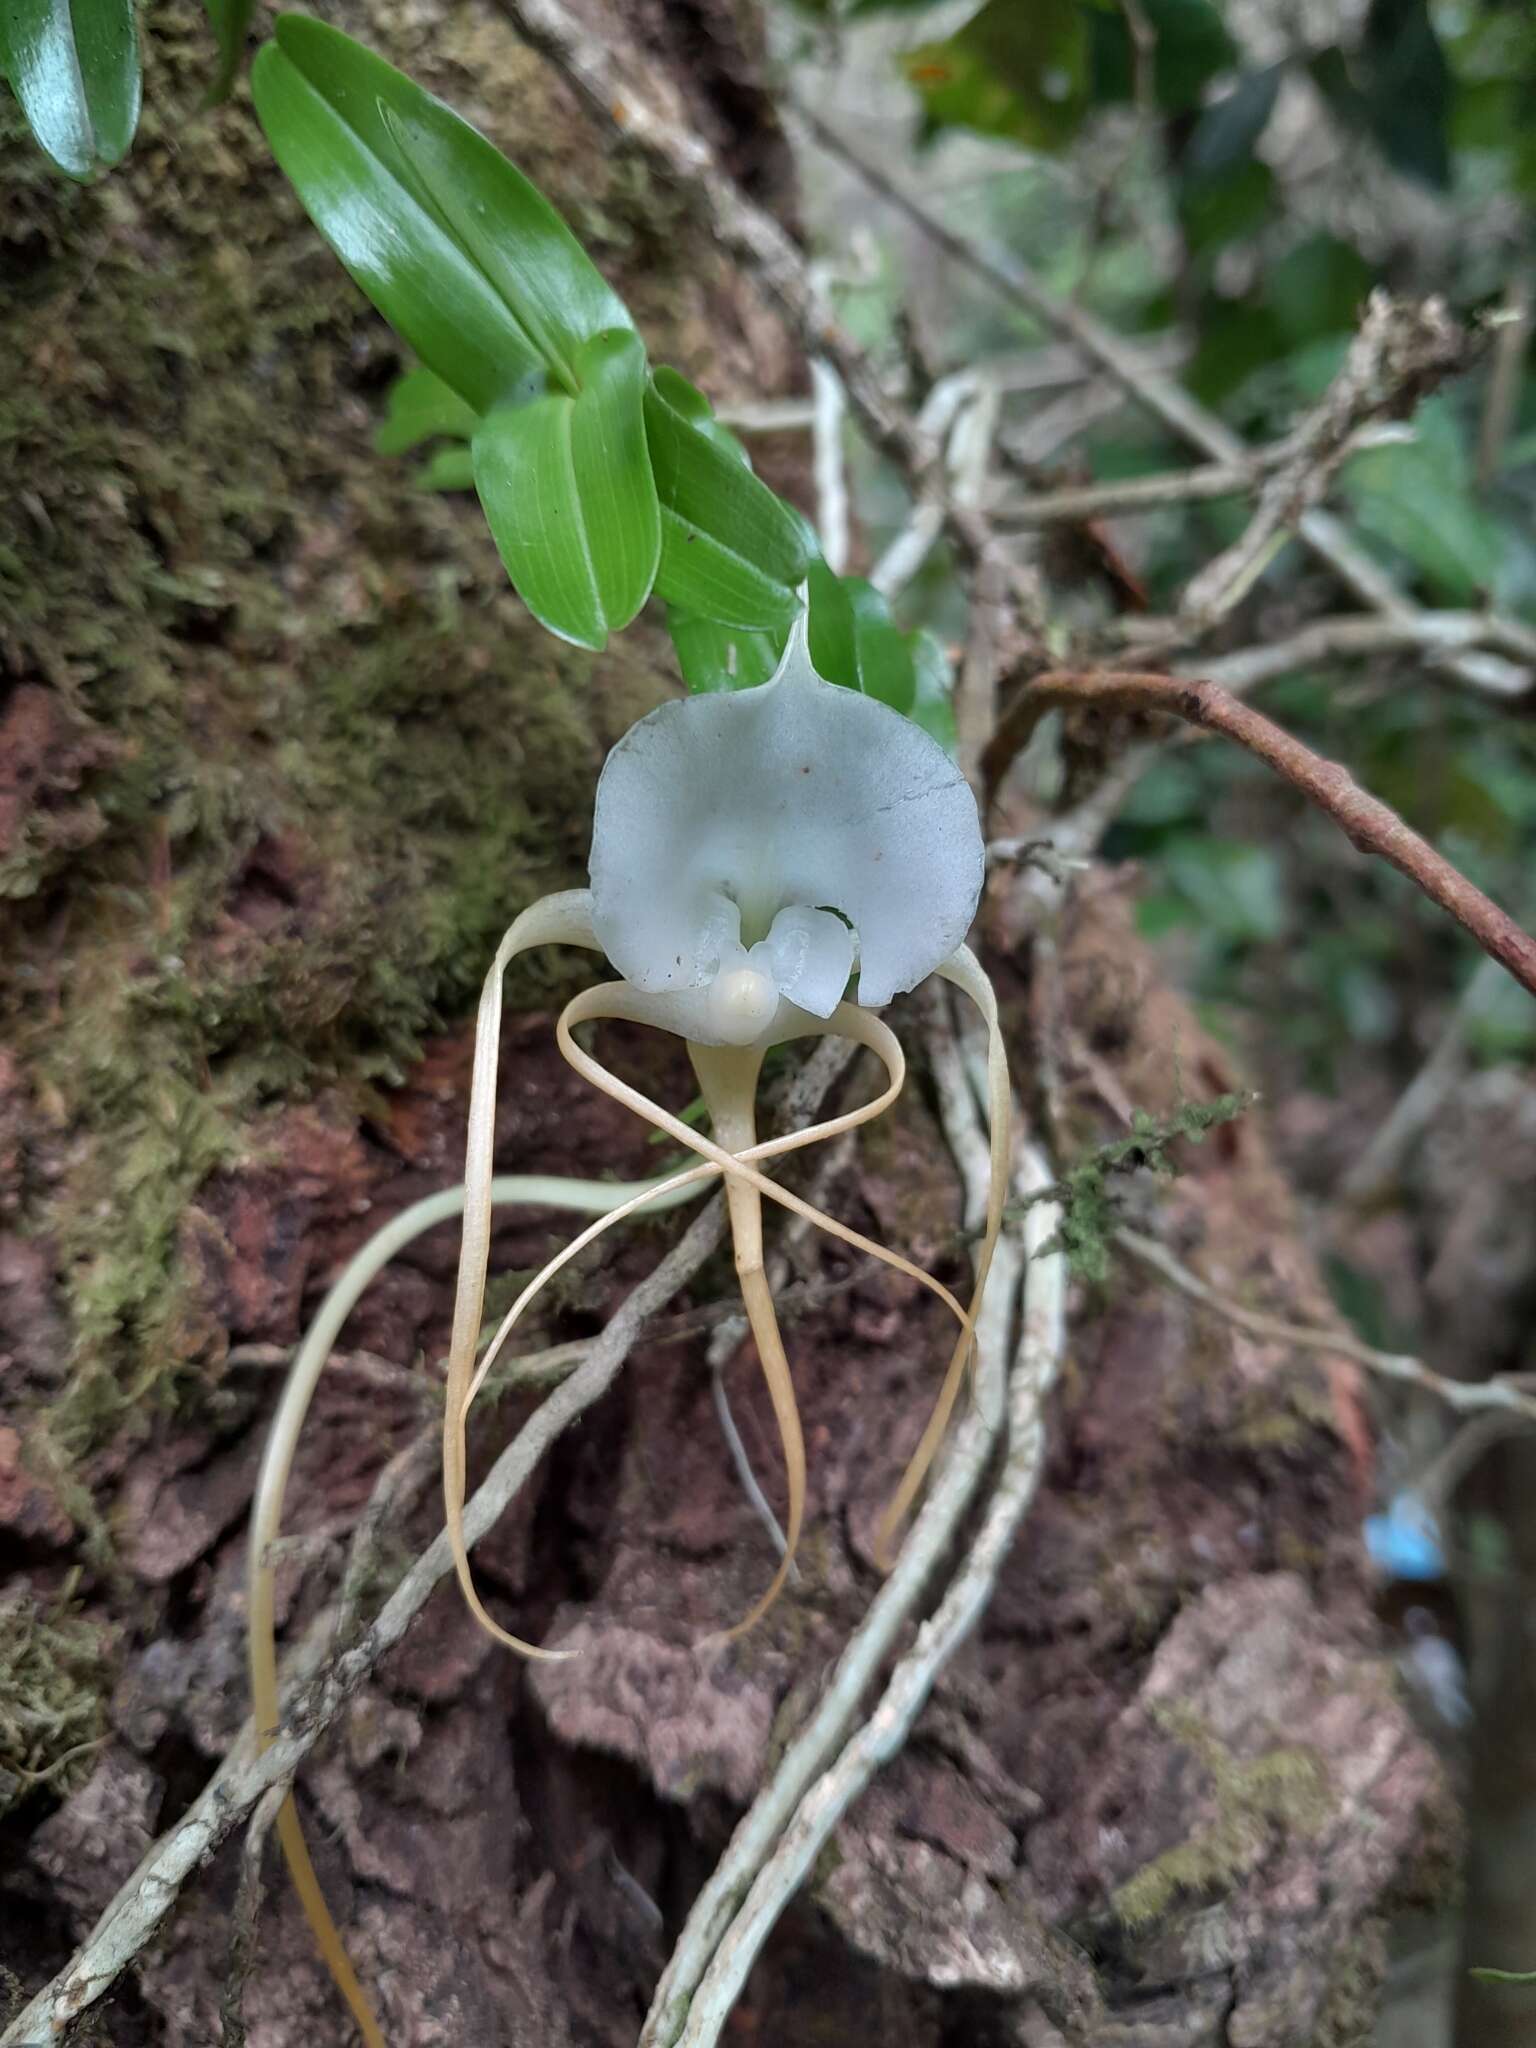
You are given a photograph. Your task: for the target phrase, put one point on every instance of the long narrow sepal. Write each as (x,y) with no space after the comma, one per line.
(966,972)
(564,919)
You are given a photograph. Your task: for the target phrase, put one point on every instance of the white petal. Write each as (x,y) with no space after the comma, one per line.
(812,956)
(795,794)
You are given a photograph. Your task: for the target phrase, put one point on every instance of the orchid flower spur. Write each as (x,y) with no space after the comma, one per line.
(749,849)
(751,852)
(757,852)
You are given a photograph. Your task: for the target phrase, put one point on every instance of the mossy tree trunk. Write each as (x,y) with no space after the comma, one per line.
(280,757)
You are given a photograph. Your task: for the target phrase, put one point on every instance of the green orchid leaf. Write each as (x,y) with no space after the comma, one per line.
(830,631)
(566,486)
(450,469)
(510,231)
(855,642)
(74,66)
(322,100)
(716,657)
(730,550)
(933,694)
(885,658)
(231,20)
(689,400)
(421,405)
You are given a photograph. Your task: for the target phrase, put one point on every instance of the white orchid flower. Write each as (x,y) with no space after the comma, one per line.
(748,850)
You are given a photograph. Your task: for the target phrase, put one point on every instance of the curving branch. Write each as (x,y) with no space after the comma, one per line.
(1365,820)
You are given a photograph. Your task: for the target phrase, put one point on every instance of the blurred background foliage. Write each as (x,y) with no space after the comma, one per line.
(1223,185)
(1235,179)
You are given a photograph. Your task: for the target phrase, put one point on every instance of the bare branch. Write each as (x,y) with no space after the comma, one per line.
(883,1732)
(1367,822)
(709,1923)
(1400,352)
(1182,415)
(1466,1396)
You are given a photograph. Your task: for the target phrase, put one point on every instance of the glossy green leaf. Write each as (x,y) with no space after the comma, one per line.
(885,658)
(933,695)
(231,20)
(730,550)
(74,66)
(321,99)
(421,405)
(716,657)
(510,230)
(688,400)
(854,640)
(450,469)
(830,632)
(566,486)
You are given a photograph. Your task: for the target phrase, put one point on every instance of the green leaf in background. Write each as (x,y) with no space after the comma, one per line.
(1232,889)
(566,486)
(1419,498)
(1014,70)
(321,99)
(450,469)
(1228,130)
(1396,86)
(508,228)
(730,550)
(74,66)
(1409,93)
(1318,288)
(716,657)
(1190,45)
(231,21)
(421,405)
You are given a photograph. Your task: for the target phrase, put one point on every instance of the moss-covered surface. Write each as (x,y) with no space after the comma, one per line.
(293,754)
(1284,1790)
(52,1667)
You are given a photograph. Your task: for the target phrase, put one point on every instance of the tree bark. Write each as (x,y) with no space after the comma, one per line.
(280,758)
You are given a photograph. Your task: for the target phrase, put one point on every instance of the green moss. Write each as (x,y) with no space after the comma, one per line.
(1086,1190)
(332,757)
(1284,1791)
(53,1682)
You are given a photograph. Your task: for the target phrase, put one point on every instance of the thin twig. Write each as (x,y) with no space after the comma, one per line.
(1167,400)
(950,1495)
(1438,637)
(831,474)
(1400,352)
(1465,1396)
(1512,341)
(140,1908)
(1131,494)
(1425,1092)
(1368,823)
(884,1731)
